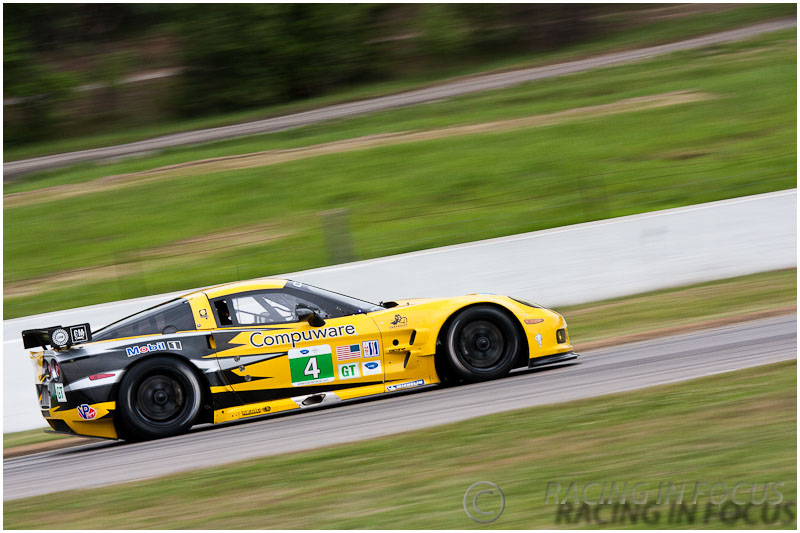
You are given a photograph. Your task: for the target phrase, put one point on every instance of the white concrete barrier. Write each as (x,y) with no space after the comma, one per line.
(561,266)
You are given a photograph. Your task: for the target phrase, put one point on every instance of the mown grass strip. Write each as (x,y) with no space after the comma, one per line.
(726,298)
(275,157)
(25,438)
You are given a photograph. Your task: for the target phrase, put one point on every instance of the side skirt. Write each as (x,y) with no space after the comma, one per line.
(253,410)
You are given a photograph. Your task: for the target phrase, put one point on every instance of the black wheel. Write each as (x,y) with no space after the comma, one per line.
(159,397)
(481,344)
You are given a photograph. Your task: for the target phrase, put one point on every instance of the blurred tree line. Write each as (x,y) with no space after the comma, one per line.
(238,56)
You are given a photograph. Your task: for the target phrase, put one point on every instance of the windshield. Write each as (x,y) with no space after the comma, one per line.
(355,305)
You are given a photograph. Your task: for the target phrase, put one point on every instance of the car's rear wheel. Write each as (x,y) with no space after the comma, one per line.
(159,397)
(481,343)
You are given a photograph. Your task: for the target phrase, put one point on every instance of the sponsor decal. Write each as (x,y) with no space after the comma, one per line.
(78,333)
(371,368)
(399,321)
(174,345)
(256,411)
(312,365)
(203,313)
(406,385)
(371,349)
(149,347)
(345,353)
(86,412)
(349,371)
(260,339)
(59,337)
(538,338)
(59,390)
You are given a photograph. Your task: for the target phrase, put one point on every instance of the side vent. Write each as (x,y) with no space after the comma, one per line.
(413,336)
(314,400)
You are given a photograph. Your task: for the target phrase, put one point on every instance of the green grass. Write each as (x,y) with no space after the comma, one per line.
(415,196)
(642,312)
(681,306)
(543,96)
(23,438)
(731,427)
(626,37)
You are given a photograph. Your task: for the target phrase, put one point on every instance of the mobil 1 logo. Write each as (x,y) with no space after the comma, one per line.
(310,366)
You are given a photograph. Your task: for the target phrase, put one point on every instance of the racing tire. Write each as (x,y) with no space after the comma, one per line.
(159,397)
(481,343)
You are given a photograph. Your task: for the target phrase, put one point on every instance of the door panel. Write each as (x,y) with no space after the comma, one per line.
(267,363)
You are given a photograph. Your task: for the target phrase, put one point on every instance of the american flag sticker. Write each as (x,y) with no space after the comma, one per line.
(351,351)
(371,348)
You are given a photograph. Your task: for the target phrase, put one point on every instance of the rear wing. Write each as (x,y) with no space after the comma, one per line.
(57,336)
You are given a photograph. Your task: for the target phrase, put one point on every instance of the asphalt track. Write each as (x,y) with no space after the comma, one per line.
(599,372)
(446,90)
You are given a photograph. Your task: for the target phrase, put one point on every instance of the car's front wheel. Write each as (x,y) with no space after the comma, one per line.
(159,397)
(481,343)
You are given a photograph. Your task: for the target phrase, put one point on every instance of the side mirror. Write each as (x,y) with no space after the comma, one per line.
(304,313)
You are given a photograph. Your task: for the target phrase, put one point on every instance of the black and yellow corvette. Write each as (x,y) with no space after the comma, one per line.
(251,348)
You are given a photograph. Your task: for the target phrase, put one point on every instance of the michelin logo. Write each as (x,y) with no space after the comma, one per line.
(149,347)
(407,385)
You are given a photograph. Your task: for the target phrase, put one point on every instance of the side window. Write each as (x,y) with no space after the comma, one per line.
(223,312)
(331,305)
(262,307)
(168,318)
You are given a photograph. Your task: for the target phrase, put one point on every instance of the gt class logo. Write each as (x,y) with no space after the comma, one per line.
(149,347)
(86,412)
(349,371)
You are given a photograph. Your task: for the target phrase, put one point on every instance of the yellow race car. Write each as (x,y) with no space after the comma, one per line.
(251,348)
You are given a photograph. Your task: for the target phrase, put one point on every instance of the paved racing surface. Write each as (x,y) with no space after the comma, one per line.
(599,372)
(446,90)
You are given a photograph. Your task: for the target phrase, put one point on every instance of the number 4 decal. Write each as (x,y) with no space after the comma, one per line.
(312,365)
(311,368)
